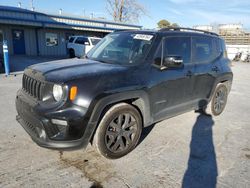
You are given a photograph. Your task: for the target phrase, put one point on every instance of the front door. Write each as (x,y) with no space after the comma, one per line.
(18,41)
(172,89)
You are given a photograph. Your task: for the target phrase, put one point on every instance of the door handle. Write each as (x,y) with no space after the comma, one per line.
(215,69)
(189,73)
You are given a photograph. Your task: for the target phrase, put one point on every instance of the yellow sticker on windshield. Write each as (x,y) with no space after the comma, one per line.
(143,37)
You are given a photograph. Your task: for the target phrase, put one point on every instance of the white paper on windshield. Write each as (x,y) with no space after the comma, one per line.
(143,37)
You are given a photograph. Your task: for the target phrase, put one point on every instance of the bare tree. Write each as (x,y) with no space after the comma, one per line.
(125,10)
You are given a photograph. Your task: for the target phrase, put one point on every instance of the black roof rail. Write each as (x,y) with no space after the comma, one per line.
(187,29)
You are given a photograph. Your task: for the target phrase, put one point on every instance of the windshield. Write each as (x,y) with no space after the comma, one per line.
(94,41)
(122,48)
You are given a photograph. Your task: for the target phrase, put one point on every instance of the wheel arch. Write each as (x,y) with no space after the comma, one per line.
(138,99)
(227,79)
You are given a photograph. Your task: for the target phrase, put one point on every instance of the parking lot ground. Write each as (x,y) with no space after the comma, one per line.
(190,150)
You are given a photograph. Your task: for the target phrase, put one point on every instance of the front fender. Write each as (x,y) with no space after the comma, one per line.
(98,105)
(141,101)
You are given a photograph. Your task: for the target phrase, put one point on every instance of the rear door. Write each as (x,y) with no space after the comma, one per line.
(205,53)
(80,46)
(172,88)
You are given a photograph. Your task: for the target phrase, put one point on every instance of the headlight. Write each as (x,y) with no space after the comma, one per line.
(57,92)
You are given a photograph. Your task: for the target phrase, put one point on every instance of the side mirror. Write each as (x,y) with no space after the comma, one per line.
(173,62)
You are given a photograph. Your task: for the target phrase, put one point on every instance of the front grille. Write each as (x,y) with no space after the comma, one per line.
(33,87)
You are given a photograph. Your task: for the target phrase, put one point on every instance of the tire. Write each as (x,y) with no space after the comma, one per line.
(218,101)
(118,131)
(72,53)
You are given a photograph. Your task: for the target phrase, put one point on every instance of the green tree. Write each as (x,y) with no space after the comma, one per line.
(163,24)
(175,25)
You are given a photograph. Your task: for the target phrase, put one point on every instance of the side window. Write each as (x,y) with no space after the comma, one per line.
(81,40)
(223,48)
(178,46)
(71,39)
(202,49)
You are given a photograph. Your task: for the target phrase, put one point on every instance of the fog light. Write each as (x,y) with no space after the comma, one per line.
(41,133)
(59,122)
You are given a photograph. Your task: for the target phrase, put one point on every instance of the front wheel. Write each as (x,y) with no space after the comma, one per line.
(218,101)
(119,131)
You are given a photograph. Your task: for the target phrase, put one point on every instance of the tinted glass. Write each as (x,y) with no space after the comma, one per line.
(202,49)
(217,47)
(71,39)
(81,40)
(178,46)
(223,47)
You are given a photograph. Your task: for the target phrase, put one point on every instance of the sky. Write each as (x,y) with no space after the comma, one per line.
(186,13)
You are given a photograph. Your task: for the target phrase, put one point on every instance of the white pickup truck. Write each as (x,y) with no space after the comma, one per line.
(78,46)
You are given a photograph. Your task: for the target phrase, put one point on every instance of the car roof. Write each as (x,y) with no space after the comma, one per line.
(174,31)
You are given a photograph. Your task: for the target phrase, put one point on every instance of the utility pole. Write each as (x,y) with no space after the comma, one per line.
(32,6)
(92,15)
(84,12)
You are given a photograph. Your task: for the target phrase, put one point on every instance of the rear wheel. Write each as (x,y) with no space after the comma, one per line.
(218,101)
(118,132)
(71,53)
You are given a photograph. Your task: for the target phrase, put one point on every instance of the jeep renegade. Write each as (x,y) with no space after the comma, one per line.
(128,81)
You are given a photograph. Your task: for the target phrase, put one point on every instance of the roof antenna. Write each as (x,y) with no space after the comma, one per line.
(60,11)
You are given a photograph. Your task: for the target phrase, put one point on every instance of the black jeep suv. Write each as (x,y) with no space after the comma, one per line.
(129,80)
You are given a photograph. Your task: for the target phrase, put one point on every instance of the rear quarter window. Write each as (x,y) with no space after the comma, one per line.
(202,49)
(223,47)
(71,39)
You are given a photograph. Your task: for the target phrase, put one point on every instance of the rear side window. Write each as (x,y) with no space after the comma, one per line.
(178,46)
(202,49)
(223,48)
(71,39)
(81,40)
(217,47)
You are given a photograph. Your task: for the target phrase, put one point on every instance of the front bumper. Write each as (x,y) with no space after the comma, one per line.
(46,134)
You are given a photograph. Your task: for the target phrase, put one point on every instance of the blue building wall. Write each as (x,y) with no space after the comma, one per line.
(36,26)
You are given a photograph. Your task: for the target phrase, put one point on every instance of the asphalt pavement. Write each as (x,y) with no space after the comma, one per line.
(190,150)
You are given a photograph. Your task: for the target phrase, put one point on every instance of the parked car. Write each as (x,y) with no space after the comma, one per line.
(130,80)
(78,46)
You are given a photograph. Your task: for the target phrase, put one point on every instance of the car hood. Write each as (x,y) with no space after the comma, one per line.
(70,69)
